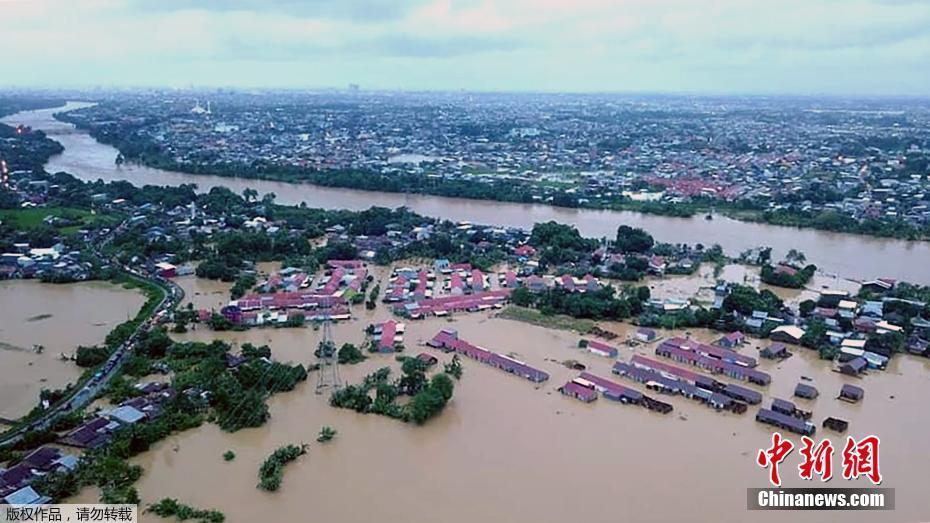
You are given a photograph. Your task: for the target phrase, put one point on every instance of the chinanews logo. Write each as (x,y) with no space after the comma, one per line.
(858,458)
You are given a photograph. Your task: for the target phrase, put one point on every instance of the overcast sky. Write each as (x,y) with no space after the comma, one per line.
(698,46)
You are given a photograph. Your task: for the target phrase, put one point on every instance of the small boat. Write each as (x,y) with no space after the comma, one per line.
(709,217)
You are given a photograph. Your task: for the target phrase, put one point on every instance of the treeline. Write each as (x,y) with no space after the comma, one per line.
(600,304)
(834,221)
(558,243)
(11,104)
(26,151)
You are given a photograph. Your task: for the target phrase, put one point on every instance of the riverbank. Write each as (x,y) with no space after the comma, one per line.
(489,188)
(850,256)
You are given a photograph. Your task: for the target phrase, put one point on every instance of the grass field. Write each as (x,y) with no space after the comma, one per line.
(555,321)
(33,218)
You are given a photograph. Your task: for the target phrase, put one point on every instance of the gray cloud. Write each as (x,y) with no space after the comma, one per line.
(838,46)
(365,10)
(427,47)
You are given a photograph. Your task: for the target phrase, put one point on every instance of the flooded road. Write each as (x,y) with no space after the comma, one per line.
(506,450)
(851,256)
(57,318)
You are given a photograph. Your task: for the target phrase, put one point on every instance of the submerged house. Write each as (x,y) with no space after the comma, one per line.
(787,334)
(579,389)
(427,359)
(789,408)
(836,424)
(851,393)
(803,390)
(91,434)
(669,379)
(738,392)
(389,335)
(611,390)
(784,421)
(448,340)
(710,351)
(645,335)
(775,351)
(854,367)
(713,365)
(599,348)
(732,340)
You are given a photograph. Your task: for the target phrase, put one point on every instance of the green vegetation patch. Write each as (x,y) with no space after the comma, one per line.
(171,508)
(272,470)
(553,321)
(67,219)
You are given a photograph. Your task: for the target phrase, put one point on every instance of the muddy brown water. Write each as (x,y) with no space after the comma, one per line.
(851,256)
(506,450)
(700,285)
(59,318)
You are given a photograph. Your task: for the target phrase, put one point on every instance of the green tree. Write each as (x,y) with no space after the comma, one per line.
(631,239)
(454,368)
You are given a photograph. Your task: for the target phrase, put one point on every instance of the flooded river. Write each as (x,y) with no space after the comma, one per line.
(57,318)
(506,450)
(851,256)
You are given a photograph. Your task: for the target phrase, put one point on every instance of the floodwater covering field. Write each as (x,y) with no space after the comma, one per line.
(700,285)
(57,318)
(506,450)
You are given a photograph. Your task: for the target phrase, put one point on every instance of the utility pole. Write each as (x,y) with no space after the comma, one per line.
(328,373)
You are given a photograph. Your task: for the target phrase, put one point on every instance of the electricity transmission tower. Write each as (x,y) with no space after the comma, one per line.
(328,374)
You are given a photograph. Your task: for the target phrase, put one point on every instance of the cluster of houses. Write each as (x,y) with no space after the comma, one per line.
(16,481)
(415,293)
(853,322)
(283,307)
(290,295)
(100,429)
(714,359)
(587,385)
(56,261)
(718,358)
(670,379)
(288,279)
